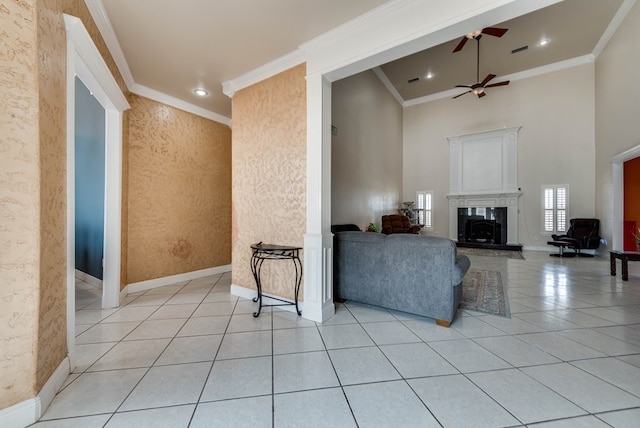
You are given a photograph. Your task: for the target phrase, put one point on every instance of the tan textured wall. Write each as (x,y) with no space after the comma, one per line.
(179,192)
(19,201)
(269,175)
(33,190)
(52,328)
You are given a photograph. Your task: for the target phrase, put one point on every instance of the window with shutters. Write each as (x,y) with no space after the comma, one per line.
(555,208)
(424,208)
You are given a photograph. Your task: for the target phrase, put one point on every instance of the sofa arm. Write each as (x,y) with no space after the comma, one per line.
(460,268)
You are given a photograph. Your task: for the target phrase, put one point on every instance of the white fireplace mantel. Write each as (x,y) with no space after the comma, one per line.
(508,199)
(483,173)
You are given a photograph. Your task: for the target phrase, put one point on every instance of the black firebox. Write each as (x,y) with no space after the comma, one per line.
(482,225)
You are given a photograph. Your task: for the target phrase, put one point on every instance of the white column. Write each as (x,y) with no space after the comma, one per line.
(318,240)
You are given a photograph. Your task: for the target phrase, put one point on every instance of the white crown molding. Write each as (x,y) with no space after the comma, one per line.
(343,31)
(100,17)
(163,98)
(230,87)
(387,84)
(549,68)
(93,62)
(613,26)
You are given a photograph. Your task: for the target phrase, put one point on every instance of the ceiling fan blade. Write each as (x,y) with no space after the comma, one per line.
(464,86)
(493,31)
(461,44)
(460,95)
(487,79)
(506,82)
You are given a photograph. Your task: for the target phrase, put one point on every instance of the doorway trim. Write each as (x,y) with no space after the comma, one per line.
(618,195)
(84,60)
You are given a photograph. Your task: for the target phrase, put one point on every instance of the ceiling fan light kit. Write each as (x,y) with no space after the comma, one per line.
(479,87)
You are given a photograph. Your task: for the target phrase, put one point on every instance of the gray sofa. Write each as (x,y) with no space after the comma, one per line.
(411,273)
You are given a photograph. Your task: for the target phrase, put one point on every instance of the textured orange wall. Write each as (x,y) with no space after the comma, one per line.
(632,192)
(179,184)
(269,175)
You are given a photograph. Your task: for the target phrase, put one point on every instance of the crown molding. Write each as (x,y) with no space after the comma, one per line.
(387,84)
(230,87)
(163,98)
(613,26)
(100,17)
(549,68)
(347,29)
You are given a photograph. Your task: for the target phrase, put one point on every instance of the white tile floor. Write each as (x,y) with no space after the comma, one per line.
(192,355)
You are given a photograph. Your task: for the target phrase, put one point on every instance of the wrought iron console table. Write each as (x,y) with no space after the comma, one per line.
(262,252)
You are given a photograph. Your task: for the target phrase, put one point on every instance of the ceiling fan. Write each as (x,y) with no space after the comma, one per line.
(492,31)
(479,87)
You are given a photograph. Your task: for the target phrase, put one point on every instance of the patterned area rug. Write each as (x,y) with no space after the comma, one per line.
(482,291)
(491,253)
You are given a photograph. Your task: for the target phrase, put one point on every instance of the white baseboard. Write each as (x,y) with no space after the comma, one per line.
(28,412)
(92,280)
(247,293)
(551,249)
(135,287)
(21,415)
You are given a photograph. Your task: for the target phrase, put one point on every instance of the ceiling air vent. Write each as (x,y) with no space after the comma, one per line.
(415,79)
(520,49)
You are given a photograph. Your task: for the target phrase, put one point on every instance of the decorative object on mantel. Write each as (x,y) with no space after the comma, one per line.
(372,228)
(483,291)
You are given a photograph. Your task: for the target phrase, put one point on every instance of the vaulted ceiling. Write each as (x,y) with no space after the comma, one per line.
(173,47)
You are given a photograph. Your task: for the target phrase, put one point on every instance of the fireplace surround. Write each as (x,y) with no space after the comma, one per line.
(483,185)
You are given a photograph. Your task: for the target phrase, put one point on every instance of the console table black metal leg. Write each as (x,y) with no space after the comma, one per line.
(298,266)
(256,267)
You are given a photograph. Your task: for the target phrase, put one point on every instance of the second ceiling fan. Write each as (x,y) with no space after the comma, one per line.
(479,87)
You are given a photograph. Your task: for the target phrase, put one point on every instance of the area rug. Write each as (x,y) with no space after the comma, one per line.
(483,291)
(491,253)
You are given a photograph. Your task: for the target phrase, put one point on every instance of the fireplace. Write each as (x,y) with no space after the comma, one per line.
(484,192)
(482,225)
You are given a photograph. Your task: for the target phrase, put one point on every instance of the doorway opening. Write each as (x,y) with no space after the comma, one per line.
(85,62)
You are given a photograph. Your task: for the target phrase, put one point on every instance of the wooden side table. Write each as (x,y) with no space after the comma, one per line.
(625,257)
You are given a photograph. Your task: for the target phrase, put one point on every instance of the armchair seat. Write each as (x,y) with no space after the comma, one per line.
(583,234)
(396,223)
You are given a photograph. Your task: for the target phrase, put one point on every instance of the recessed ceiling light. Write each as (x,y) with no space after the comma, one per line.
(200,92)
(429,75)
(543,42)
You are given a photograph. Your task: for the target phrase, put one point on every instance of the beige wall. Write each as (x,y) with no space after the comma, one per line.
(20,202)
(33,190)
(617,109)
(555,144)
(179,188)
(366,153)
(52,326)
(269,175)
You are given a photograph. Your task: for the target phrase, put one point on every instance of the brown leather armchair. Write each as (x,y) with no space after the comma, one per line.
(396,223)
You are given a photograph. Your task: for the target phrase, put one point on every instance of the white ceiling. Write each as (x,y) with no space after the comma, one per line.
(171,47)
